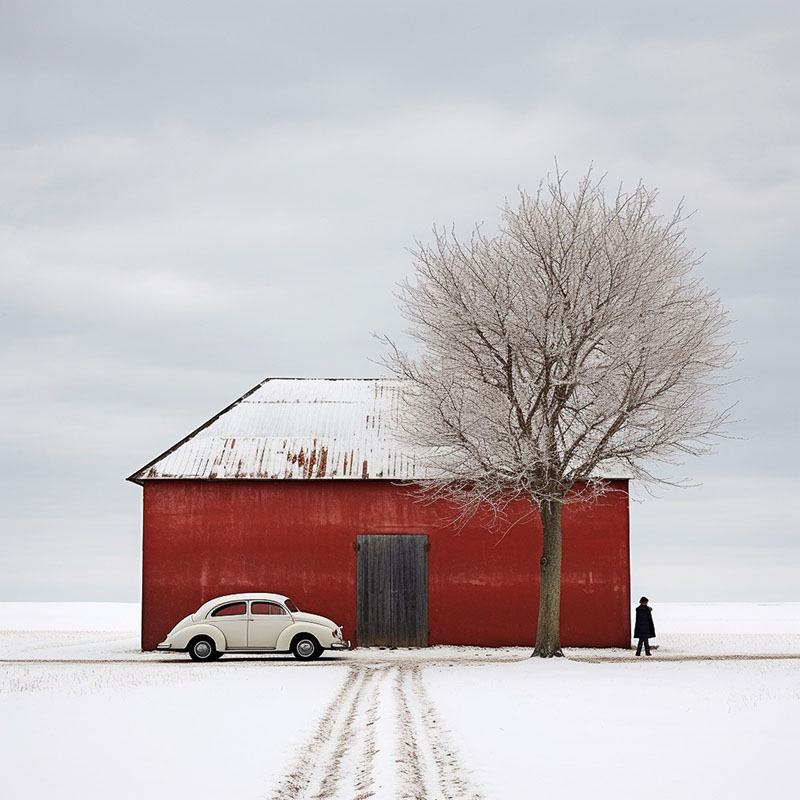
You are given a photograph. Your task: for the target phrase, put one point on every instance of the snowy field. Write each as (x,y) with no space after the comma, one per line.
(715,712)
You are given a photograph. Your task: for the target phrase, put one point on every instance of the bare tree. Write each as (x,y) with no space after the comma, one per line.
(574,343)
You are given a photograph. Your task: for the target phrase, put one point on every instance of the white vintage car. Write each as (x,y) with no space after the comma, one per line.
(256,622)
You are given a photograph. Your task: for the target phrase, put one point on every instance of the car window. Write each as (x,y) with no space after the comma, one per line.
(292,607)
(230,610)
(271,609)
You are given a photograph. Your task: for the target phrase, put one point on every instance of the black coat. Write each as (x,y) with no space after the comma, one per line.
(644,628)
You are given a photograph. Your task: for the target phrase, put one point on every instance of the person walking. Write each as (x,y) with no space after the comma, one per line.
(644,630)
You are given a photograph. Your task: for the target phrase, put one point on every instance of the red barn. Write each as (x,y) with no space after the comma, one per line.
(300,488)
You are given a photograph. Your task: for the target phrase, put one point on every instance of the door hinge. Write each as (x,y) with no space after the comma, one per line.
(427,547)
(356,546)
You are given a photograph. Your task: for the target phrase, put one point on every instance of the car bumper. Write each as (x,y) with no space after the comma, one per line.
(340,645)
(164,646)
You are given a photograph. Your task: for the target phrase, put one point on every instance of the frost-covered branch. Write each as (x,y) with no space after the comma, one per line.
(575,342)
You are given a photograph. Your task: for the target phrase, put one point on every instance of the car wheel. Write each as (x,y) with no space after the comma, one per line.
(202,649)
(306,648)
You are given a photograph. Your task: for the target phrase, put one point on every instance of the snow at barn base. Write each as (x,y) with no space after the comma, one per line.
(125,719)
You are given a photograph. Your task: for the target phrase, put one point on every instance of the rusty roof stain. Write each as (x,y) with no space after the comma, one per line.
(296,428)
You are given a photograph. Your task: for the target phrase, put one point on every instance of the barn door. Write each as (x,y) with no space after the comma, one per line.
(392,591)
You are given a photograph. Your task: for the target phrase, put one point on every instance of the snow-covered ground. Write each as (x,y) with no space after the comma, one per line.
(662,730)
(82,710)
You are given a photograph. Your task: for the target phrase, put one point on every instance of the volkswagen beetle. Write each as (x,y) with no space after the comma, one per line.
(256,622)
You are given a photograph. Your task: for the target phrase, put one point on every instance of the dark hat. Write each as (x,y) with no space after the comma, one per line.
(643,600)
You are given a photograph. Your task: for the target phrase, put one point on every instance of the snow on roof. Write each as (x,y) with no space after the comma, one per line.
(296,428)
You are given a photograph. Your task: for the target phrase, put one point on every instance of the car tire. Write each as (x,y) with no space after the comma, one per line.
(305,647)
(202,649)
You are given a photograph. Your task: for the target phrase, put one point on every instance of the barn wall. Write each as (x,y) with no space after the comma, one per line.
(208,538)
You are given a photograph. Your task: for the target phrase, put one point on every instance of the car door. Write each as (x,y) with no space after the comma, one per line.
(267,621)
(231,619)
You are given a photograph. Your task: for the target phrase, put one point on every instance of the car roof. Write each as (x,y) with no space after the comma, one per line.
(226,598)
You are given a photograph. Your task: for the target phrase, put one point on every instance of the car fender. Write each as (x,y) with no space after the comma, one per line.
(322,634)
(180,640)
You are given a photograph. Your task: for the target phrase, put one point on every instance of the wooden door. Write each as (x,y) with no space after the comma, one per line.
(392,590)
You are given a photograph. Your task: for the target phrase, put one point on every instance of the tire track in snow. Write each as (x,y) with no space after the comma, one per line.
(429,763)
(384,708)
(348,772)
(338,761)
(294,785)
(413,778)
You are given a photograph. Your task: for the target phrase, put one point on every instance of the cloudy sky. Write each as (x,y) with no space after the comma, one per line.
(199,195)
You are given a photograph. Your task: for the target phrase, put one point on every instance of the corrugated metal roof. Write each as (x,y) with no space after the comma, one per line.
(296,428)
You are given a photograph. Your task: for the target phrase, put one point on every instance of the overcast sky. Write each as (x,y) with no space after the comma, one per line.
(199,195)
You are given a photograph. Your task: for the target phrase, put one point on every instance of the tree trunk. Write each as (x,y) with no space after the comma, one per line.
(548,638)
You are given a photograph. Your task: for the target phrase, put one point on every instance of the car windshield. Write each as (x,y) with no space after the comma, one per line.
(291,606)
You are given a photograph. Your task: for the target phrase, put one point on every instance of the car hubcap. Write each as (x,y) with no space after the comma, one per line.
(203,649)
(305,648)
